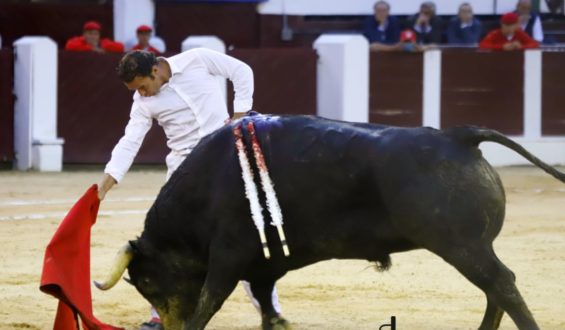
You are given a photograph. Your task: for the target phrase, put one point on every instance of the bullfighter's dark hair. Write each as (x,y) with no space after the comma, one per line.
(136,63)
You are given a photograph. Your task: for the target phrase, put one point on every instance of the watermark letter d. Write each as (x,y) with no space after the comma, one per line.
(391,326)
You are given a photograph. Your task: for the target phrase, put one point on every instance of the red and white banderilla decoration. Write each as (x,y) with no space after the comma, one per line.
(251,189)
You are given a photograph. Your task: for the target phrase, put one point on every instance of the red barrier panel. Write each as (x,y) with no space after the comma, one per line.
(236,24)
(395,95)
(93,109)
(94,105)
(553,97)
(6,105)
(484,89)
(285,79)
(57,21)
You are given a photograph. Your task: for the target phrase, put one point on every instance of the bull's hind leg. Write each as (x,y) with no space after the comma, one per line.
(263,292)
(480,265)
(493,316)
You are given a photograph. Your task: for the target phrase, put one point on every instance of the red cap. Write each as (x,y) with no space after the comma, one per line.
(408,35)
(92,25)
(144,28)
(509,18)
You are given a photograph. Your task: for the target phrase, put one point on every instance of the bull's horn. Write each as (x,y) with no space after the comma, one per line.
(121,262)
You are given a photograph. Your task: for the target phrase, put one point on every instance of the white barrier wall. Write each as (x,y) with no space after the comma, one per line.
(210,42)
(343,77)
(35,110)
(432,89)
(128,15)
(343,94)
(549,149)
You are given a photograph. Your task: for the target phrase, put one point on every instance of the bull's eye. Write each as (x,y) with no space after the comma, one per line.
(146,286)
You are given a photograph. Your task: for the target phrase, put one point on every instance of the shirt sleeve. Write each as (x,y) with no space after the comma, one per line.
(452,34)
(526,41)
(235,70)
(128,146)
(537,30)
(476,32)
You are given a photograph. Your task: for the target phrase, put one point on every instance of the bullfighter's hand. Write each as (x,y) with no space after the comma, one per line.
(237,115)
(508,46)
(105,184)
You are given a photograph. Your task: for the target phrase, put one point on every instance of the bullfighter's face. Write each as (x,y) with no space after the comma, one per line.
(170,282)
(146,86)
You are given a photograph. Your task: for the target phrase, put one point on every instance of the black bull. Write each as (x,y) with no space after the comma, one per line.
(347,191)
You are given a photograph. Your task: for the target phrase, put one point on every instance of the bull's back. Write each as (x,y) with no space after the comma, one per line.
(387,182)
(354,190)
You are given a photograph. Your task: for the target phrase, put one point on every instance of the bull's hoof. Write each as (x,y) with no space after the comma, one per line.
(276,323)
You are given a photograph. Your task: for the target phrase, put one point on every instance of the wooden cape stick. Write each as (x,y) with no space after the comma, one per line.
(251,190)
(272,201)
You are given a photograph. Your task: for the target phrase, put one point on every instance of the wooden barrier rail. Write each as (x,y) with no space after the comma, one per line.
(94,105)
(477,88)
(480,88)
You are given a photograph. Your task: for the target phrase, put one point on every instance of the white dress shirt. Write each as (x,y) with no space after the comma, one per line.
(188,107)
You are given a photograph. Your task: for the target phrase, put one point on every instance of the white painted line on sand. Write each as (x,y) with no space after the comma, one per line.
(61,215)
(28,202)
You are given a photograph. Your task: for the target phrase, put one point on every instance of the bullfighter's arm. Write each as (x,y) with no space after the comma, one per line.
(128,146)
(235,70)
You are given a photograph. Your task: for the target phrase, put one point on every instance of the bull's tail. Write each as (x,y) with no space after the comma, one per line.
(476,135)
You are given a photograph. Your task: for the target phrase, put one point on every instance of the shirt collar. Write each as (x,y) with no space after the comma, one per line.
(174,68)
(382,26)
(466,25)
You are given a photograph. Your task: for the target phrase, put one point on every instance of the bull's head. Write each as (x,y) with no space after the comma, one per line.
(169,281)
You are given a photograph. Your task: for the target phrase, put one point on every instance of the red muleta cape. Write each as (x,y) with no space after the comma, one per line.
(66,267)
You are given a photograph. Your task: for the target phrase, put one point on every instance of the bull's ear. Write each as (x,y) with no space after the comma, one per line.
(135,246)
(128,280)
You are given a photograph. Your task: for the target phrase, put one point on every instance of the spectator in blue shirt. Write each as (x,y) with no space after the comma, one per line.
(426,24)
(464,29)
(382,30)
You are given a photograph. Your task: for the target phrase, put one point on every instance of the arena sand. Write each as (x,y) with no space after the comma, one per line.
(421,290)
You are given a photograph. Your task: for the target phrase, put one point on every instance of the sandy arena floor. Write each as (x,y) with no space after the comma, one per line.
(421,290)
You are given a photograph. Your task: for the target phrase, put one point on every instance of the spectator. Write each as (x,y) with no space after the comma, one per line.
(90,41)
(426,24)
(408,42)
(144,38)
(530,21)
(464,29)
(381,29)
(509,36)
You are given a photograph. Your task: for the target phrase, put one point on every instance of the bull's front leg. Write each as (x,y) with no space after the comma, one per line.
(264,292)
(221,280)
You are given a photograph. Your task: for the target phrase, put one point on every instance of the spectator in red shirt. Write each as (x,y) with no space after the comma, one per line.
(90,41)
(509,37)
(143,35)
